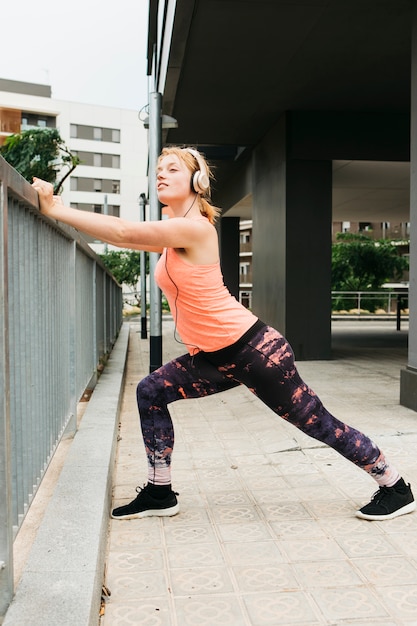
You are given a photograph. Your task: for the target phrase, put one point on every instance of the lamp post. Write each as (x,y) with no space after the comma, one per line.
(143,331)
(155,122)
(155,139)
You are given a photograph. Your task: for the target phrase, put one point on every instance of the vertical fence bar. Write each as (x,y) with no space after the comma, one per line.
(6,535)
(100,304)
(72,357)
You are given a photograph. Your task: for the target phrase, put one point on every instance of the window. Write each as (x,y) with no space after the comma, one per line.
(97,208)
(97,184)
(97,160)
(244,237)
(95,133)
(73,183)
(245,298)
(42,123)
(244,269)
(115,186)
(115,160)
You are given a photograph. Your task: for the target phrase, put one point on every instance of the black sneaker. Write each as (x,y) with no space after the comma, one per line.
(389,502)
(144,505)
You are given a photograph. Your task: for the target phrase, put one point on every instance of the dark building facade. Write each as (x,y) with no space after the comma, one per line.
(307,110)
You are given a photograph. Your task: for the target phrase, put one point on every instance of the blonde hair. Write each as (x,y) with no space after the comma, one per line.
(206,208)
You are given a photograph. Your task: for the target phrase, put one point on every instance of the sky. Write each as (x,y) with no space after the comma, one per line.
(89,51)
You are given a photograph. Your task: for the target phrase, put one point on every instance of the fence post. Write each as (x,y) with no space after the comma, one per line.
(399,304)
(71,427)
(6,529)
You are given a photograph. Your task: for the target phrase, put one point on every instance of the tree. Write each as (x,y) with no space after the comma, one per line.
(362,264)
(124,265)
(40,152)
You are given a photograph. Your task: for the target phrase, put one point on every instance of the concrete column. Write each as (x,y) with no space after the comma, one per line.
(408,385)
(229,253)
(292,212)
(308,257)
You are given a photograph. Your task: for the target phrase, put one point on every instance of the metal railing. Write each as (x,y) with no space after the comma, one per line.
(60,313)
(363,303)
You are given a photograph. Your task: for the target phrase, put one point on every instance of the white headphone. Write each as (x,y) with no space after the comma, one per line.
(200,181)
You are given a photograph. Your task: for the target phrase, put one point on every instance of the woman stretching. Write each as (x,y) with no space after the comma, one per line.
(227,345)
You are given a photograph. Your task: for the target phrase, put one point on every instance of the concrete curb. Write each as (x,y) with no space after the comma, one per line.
(62,580)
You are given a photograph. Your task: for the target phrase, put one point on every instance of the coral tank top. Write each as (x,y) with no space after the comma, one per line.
(206,315)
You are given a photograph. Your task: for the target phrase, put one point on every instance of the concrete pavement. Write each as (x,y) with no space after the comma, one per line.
(267,533)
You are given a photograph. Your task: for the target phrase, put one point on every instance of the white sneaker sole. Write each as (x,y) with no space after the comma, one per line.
(408,508)
(173,510)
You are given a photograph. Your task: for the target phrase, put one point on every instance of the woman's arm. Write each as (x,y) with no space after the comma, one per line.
(150,236)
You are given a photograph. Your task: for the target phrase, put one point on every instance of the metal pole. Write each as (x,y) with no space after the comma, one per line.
(399,305)
(155,142)
(143,331)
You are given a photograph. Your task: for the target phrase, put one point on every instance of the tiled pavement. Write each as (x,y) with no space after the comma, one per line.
(267,533)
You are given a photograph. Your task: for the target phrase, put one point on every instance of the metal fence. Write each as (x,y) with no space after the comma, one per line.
(363,302)
(60,313)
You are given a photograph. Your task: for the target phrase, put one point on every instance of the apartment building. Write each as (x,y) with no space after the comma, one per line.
(374,230)
(110,142)
(245,263)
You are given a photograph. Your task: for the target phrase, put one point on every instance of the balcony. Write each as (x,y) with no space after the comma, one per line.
(245,279)
(10,121)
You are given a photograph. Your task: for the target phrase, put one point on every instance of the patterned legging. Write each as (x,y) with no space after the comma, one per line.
(265,364)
